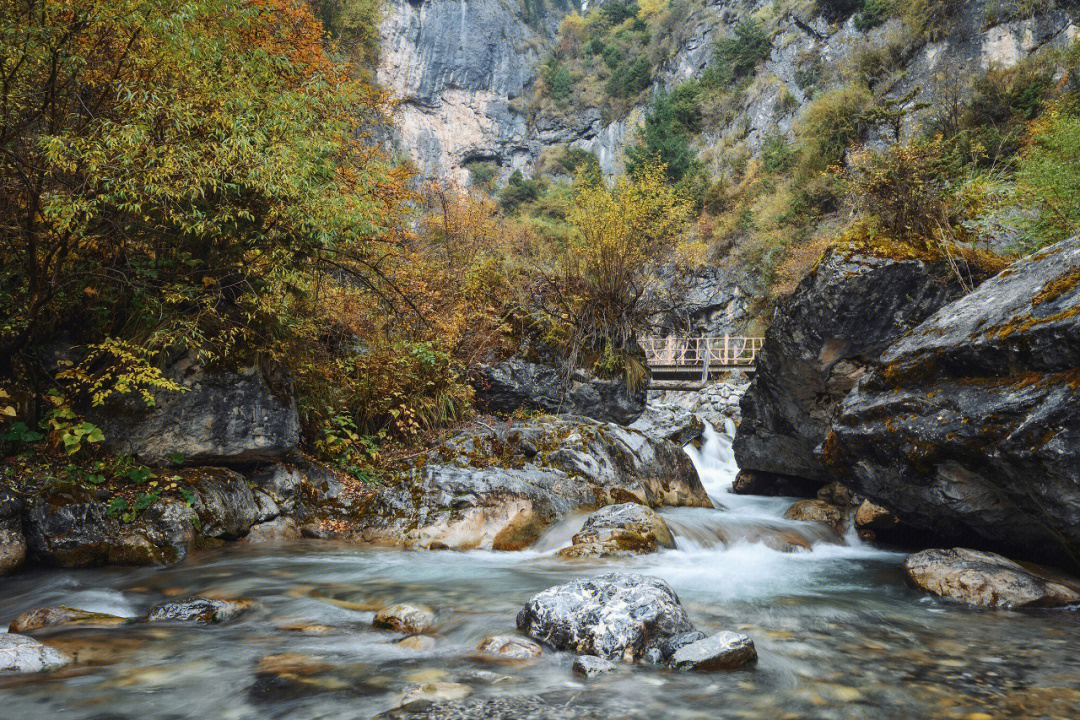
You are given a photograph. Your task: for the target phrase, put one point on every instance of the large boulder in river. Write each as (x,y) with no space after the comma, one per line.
(517,383)
(626,529)
(499,488)
(12,541)
(986,580)
(616,616)
(843,315)
(222,417)
(971,427)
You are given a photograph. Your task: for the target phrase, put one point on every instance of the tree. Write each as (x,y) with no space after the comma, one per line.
(740,55)
(664,140)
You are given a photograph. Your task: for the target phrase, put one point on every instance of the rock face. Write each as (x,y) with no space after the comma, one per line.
(626,529)
(21,654)
(613,616)
(224,417)
(972,425)
(517,383)
(723,651)
(12,542)
(832,330)
(986,580)
(499,488)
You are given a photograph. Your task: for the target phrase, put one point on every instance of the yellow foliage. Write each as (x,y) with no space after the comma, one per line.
(649,8)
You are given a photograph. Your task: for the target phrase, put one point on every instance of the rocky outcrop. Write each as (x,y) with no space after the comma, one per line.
(626,529)
(617,616)
(12,541)
(985,579)
(517,383)
(222,417)
(971,429)
(829,334)
(499,488)
(21,654)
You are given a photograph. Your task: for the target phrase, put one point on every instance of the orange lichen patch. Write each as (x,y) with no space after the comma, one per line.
(1026,322)
(1058,287)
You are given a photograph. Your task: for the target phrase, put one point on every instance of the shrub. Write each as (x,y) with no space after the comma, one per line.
(615,12)
(1048,179)
(777,155)
(665,141)
(629,80)
(558,80)
(738,56)
(837,9)
(831,124)
(873,13)
(519,190)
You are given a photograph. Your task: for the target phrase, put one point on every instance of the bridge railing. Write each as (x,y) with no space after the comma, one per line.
(703,352)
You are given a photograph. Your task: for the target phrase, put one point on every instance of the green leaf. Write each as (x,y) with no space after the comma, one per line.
(116,505)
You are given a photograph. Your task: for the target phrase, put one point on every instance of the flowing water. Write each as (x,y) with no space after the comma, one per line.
(837,632)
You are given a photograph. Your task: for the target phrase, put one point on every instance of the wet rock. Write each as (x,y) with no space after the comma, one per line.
(723,651)
(671,645)
(838,494)
(265,507)
(972,426)
(21,654)
(985,579)
(669,422)
(419,643)
(817,511)
(499,488)
(613,616)
(432,692)
(60,616)
(12,541)
(626,529)
(279,529)
(199,610)
(834,328)
(874,517)
(756,482)
(285,676)
(517,707)
(224,502)
(509,647)
(411,619)
(591,666)
(224,417)
(517,383)
(283,483)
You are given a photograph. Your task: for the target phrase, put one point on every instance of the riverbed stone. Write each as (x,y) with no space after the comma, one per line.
(224,502)
(671,645)
(411,619)
(817,511)
(614,616)
(723,651)
(21,654)
(986,579)
(200,610)
(433,692)
(871,516)
(282,482)
(12,540)
(970,430)
(420,643)
(625,529)
(509,647)
(280,529)
(590,666)
(60,615)
(832,330)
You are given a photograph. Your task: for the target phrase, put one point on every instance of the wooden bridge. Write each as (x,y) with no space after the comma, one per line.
(687,363)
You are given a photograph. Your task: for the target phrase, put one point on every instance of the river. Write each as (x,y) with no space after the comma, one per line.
(838,633)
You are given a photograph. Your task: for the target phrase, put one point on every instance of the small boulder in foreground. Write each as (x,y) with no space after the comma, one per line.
(589,666)
(723,651)
(21,654)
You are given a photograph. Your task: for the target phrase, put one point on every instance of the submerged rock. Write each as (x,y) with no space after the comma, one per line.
(432,692)
(411,619)
(517,383)
(21,654)
(591,666)
(199,610)
(420,643)
(509,647)
(986,580)
(843,315)
(723,651)
(12,541)
(623,529)
(61,616)
(817,511)
(223,417)
(500,488)
(972,426)
(614,616)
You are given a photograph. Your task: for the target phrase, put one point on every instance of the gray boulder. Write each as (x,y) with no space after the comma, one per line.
(224,417)
(283,483)
(590,666)
(985,579)
(21,654)
(280,529)
(499,488)
(971,427)
(517,383)
(200,610)
(12,541)
(223,499)
(615,616)
(626,529)
(723,651)
(843,315)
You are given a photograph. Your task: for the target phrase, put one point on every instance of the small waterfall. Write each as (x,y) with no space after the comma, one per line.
(715,461)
